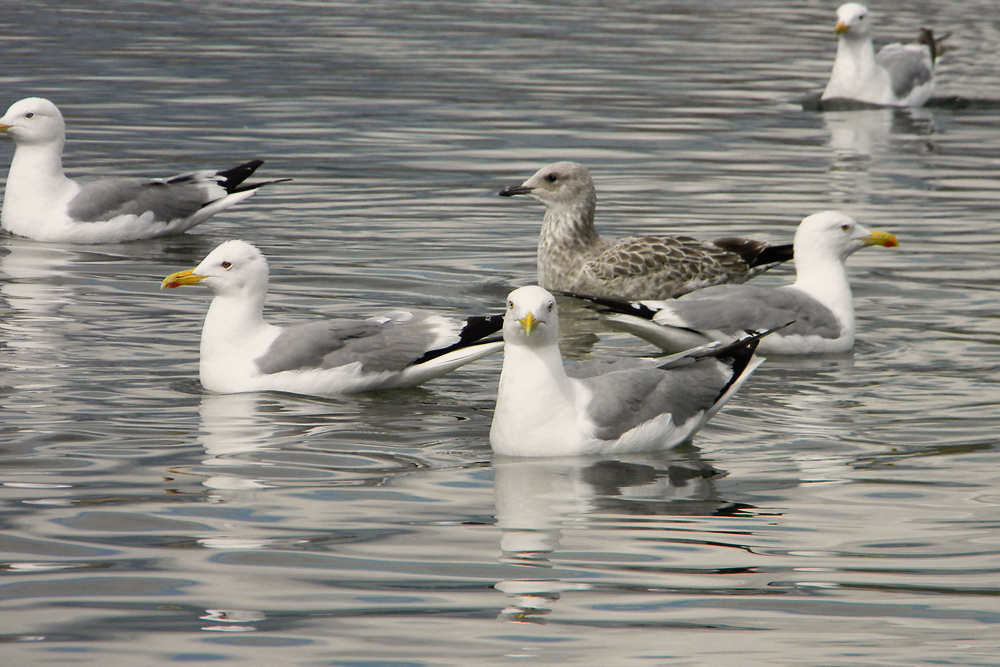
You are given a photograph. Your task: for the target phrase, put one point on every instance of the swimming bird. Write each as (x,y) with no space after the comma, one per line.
(818,308)
(240,352)
(900,75)
(42,203)
(573,257)
(548,408)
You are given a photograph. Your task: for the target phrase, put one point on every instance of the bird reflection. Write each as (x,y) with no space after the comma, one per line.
(232,620)
(537,499)
(35,289)
(857,137)
(233,424)
(858,134)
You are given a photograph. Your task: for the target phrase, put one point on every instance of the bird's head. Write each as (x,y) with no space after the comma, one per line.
(531,317)
(564,184)
(831,233)
(233,268)
(33,120)
(852,20)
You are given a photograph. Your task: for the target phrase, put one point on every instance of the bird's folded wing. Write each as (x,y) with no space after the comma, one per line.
(110,198)
(734,308)
(390,342)
(909,66)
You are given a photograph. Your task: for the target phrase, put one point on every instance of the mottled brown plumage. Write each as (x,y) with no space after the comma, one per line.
(573,257)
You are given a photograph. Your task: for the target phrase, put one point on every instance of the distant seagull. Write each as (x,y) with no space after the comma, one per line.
(240,352)
(546,408)
(40,202)
(901,75)
(818,307)
(572,257)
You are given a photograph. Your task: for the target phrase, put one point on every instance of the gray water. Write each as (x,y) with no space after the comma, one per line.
(840,511)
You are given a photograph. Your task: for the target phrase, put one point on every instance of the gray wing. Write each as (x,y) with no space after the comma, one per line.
(735,308)
(909,66)
(589,368)
(168,200)
(388,343)
(624,398)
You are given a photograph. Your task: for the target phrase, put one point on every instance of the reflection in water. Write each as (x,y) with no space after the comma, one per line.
(35,289)
(374,524)
(232,620)
(866,133)
(34,276)
(858,134)
(858,137)
(537,499)
(232,424)
(813,400)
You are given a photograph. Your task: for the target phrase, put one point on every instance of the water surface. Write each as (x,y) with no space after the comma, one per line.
(840,511)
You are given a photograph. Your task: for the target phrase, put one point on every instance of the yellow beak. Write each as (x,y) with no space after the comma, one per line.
(188,277)
(528,323)
(881,238)
(841,28)
(4,128)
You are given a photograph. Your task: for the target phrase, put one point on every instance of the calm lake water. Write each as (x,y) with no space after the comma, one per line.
(840,511)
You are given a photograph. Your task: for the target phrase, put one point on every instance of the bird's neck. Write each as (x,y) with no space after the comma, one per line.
(857,50)
(231,322)
(856,73)
(535,401)
(38,166)
(825,279)
(36,183)
(566,241)
(235,334)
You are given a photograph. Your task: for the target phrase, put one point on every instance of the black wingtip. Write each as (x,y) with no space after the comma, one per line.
(258,184)
(933,42)
(231,178)
(749,341)
(740,352)
(774,254)
(616,305)
(756,253)
(478,329)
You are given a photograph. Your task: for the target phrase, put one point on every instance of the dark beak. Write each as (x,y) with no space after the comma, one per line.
(512,190)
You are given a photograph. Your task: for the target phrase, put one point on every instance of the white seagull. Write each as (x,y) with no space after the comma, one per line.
(901,75)
(818,307)
(546,408)
(574,258)
(40,202)
(240,352)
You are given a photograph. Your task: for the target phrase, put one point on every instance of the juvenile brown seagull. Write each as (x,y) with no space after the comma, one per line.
(574,258)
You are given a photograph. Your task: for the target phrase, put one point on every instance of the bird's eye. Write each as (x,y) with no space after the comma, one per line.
(845,227)
(552,305)
(29,115)
(226,265)
(552,178)
(510,304)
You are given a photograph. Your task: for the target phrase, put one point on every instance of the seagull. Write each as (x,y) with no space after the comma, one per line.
(572,257)
(901,75)
(240,352)
(40,202)
(818,307)
(546,408)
